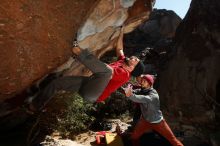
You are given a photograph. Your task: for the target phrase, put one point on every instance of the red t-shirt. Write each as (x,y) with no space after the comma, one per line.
(120,77)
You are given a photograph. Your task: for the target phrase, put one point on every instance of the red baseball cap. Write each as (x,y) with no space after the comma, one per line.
(149,78)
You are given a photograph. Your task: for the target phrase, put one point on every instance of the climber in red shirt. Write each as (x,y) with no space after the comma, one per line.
(97,87)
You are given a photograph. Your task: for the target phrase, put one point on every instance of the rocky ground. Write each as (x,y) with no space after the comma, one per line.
(189,135)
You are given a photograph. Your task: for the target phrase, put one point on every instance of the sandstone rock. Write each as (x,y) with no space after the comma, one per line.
(102,27)
(37,36)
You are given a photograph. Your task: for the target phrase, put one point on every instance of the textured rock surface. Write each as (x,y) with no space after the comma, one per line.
(36,36)
(156,33)
(189,87)
(101,29)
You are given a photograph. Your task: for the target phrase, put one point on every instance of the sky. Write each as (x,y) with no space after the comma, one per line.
(179,6)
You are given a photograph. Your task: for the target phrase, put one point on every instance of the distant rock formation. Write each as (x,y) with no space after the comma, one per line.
(156,33)
(189,87)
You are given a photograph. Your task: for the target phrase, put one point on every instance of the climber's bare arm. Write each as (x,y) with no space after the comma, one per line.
(119,43)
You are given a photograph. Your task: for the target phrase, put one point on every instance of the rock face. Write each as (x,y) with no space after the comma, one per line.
(189,87)
(101,29)
(36,36)
(161,25)
(156,33)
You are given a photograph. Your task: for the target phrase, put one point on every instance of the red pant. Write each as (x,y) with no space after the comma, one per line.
(162,128)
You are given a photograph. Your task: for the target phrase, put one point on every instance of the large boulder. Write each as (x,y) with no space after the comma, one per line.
(189,87)
(36,36)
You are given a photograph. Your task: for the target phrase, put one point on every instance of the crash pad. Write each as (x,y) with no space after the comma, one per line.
(113,139)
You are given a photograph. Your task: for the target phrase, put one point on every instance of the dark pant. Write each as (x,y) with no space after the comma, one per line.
(162,128)
(90,88)
(137,113)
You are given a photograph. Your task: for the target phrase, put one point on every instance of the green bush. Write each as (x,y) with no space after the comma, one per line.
(77,116)
(68,114)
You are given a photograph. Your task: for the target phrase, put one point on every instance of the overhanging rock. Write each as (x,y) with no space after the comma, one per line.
(37,36)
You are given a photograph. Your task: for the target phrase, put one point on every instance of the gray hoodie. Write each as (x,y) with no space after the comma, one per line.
(149,103)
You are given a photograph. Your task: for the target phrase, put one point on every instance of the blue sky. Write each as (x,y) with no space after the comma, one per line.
(179,6)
